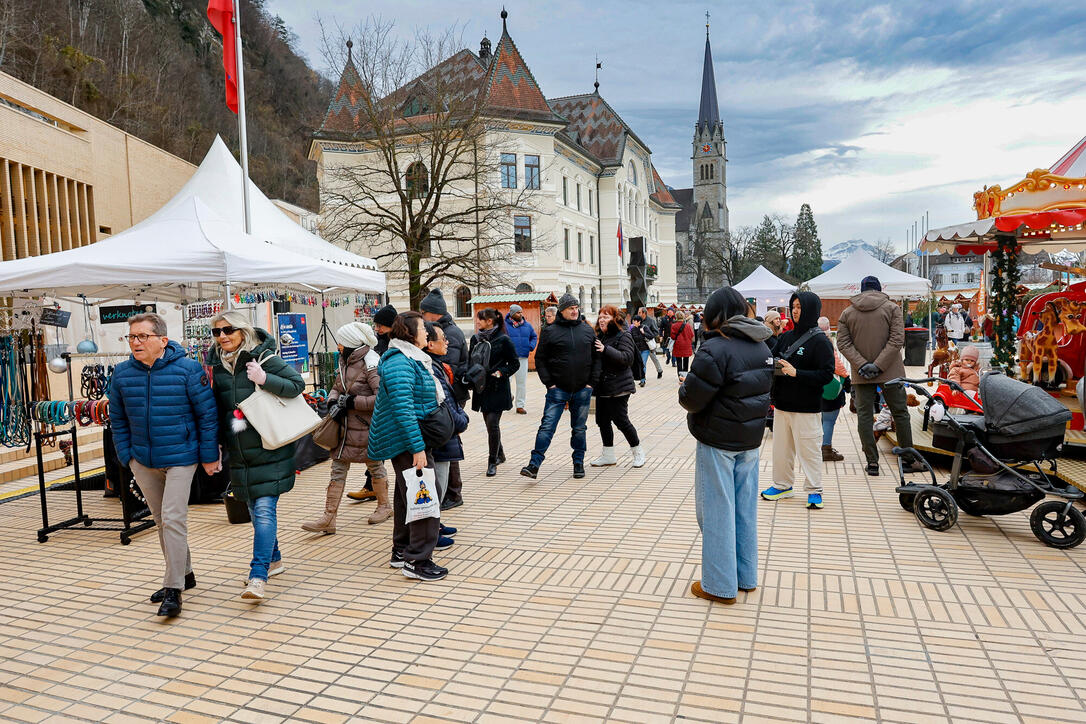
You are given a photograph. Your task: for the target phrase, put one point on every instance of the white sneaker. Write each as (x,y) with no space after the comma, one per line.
(607,457)
(254,591)
(274,569)
(638,456)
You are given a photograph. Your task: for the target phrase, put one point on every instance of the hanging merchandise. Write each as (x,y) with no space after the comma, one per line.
(326,365)
(14,421)
(88,345)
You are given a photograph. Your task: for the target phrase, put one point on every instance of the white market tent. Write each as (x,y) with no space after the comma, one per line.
(843,280)
(187,250)
(767,289)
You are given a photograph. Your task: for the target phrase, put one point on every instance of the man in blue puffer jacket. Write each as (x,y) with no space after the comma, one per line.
(164,423)
(523,336)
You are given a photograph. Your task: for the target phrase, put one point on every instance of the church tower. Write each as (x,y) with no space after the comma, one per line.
(710,188)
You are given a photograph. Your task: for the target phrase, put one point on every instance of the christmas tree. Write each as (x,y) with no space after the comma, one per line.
(1004,300)
(807,252)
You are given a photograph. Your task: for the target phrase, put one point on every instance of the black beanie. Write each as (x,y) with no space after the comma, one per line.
(434,303)
(567,301)
(385,316)
(869,283)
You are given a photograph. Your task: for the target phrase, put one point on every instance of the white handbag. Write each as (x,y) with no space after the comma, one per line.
(279,420)
(651,344)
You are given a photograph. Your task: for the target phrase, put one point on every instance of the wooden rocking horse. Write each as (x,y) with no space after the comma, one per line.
(1041,347)
(943,354)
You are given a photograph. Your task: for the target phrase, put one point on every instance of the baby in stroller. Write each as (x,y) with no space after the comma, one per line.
(964,371)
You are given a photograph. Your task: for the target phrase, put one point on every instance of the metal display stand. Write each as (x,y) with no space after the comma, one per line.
(133,520)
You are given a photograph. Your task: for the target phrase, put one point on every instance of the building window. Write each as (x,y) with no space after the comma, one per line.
(417,180)
(580,298)
(566,244)
(522,233)
(580,247)
(524,288)
(938,280)
(509,170)
(971,278)
(578,197)
(590,212)
(62,217)
(712,171)
(531,172)
(565,191)
(593,297)
(591,250)
(463,294)
(633,173)
(953,278)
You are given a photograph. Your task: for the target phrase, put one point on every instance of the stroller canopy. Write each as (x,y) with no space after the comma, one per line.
(1014,408)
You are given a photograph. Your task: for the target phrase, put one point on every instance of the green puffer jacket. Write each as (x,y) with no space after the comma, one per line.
(254,471)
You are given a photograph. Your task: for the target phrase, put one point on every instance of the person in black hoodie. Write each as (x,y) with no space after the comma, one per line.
(804,366)
(568,365)
(617,354)
(726,395)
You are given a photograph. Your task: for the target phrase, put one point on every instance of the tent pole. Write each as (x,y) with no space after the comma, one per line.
(243,143)
(229,297)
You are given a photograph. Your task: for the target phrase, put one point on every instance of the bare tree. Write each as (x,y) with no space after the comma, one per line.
(423,192)
(885,250)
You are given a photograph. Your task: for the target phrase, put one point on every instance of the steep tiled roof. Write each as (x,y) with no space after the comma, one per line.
(511,89)
(342,113)
(662,195)
(595,125)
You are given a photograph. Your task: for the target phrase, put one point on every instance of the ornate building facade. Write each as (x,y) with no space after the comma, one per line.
(585,172)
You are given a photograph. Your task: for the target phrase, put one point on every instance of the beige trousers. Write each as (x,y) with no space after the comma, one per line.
(797,435)
(376,468)
(167,492)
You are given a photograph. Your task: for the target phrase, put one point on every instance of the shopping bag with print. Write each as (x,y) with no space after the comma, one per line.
(422,499)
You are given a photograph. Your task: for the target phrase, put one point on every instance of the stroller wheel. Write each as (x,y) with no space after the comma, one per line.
(935,508)
(1055,528)
(905,500)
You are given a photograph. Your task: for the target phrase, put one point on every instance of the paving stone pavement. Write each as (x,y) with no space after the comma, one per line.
(567,601)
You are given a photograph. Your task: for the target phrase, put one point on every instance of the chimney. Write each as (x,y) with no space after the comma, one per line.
(484,50)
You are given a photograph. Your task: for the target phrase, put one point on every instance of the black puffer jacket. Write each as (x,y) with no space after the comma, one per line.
(457,355)
(495,395)
(638,334)
(616,377)
(726,392)
(813,360)
(566,355)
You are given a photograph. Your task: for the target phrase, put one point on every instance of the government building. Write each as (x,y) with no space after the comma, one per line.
(585,178)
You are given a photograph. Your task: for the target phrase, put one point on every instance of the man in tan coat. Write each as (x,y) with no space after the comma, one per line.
(871,335)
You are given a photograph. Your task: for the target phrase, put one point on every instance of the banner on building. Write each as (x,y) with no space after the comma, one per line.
(294,341)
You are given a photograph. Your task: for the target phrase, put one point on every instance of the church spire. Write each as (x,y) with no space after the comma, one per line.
(709,115)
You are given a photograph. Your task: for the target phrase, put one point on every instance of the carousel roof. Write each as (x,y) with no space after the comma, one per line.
(1073,163)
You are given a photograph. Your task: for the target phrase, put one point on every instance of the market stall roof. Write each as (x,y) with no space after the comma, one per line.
(513,297)
(766,288)
(177,253)
(843,280)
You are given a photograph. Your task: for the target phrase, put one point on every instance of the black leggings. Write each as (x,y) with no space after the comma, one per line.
(684,364)
(492,420)
(615,410)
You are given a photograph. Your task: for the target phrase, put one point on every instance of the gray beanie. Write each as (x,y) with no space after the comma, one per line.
(434,303)
(567,301)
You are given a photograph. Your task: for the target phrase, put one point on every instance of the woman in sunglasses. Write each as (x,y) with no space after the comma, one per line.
(244,358)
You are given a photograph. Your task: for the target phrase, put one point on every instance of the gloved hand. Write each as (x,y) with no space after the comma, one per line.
(256,373)
(869,371)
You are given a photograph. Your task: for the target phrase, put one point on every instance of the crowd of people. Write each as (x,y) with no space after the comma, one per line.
(406,383)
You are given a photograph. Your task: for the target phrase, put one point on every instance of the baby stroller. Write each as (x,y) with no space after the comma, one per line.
(1022,428)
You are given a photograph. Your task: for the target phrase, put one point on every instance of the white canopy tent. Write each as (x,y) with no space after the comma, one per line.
(766,288)
(843,280)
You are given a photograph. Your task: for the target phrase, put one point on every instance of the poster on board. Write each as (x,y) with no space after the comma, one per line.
(294,341)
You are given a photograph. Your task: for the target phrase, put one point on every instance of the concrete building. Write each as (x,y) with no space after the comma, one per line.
(584,171)
(67,179)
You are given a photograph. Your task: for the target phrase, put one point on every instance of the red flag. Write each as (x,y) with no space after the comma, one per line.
(620,240)
(221,15)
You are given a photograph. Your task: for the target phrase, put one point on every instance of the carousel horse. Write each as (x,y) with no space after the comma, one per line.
(943,354)
(1042,346)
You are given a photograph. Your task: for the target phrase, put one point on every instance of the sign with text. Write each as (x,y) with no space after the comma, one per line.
(119,314)
(55,317)
(294,341)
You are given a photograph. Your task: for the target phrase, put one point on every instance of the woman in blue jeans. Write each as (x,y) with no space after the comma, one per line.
(726,395)
(244,359)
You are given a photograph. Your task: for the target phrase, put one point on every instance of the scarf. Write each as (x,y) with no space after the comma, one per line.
(486,334)
(412,352)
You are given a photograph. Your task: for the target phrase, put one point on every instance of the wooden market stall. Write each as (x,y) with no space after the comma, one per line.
(531,303)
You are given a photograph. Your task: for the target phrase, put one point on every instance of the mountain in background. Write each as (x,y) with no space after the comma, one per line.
(842,250)
(154,69)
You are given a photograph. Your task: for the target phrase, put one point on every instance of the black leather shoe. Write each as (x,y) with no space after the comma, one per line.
(424,570)
(491,470)
(578,470)
(872,468)
(529,471)
(450,504)
(501,457)
(171,603)
(659,374)
(190,582)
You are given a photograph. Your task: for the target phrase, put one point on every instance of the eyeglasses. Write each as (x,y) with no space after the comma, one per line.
(216,331)
(141,337)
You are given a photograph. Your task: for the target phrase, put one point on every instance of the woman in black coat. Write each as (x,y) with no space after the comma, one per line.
(617,353)
(501,364)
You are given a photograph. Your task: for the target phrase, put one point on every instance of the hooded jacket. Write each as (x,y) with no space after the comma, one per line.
(456,356)
(726,393)
(813,360)
(566,356)
(683,334)
(164,415)
(871,330)
(522,334)
(360,370)
(254,471)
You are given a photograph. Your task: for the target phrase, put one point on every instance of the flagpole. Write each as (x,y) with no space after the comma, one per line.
(242,139)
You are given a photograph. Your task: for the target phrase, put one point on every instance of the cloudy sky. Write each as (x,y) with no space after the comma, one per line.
(871,112)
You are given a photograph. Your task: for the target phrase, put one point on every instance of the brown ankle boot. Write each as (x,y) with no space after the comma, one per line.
(383,511)
(327,523)
(829,455)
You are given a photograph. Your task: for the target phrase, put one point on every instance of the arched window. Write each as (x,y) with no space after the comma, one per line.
(580,298)
(417,180)
(712,170)
(593,297)
(633,172)
(463,294)
(524,287)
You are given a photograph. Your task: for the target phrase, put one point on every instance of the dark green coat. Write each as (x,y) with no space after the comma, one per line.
(254,471)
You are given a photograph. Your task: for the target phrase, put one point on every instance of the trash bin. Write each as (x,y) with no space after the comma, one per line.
(916,346)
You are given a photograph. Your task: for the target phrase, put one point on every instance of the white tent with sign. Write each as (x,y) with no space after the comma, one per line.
(843,280)
(766,288)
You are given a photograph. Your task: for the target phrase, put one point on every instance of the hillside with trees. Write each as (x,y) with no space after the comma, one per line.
(154,69)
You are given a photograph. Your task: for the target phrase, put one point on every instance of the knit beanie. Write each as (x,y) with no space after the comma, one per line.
(356,334)
(567,301)
(434,303)
(870,283)
(971,352)
(385,316)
